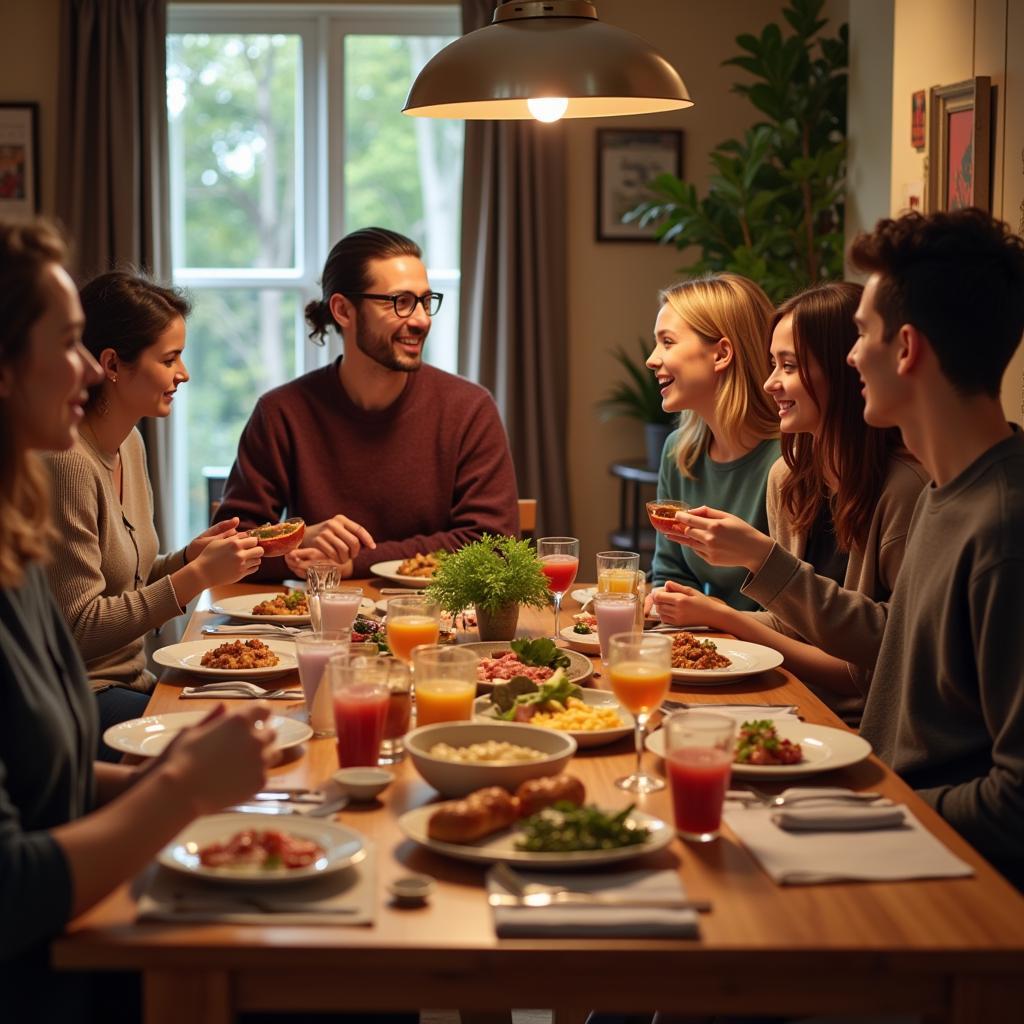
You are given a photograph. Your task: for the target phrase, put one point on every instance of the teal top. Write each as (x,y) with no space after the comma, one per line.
(737,487)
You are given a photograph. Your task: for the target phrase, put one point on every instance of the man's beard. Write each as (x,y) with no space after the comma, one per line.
(381,350)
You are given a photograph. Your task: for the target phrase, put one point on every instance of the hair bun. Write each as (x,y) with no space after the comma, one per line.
(320,320)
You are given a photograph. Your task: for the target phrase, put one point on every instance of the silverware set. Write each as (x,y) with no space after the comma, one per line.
(256,629)
(242,689)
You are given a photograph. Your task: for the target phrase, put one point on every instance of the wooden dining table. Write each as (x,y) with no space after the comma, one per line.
(949,949)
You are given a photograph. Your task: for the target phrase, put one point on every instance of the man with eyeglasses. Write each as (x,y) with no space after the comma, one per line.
(382,455)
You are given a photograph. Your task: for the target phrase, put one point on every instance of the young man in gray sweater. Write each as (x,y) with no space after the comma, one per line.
(940,318)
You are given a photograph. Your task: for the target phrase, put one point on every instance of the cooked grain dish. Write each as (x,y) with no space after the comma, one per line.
(578,717)
(419,565)
(488,752)
(689,652)
(293,603)
(238,654)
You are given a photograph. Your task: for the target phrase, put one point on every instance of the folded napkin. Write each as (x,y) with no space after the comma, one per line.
(598,921)
(882,851)
(346,897)
(838,818)
(741,712)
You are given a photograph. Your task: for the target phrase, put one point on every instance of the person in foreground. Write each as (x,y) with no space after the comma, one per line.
(710,360)
(70,831)
(383,456)
(839,504)
(107,577)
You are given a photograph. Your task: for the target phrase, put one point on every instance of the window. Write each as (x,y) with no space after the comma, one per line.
(285,133)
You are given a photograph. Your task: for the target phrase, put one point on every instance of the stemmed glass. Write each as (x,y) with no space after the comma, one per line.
(559,561)
(640,666)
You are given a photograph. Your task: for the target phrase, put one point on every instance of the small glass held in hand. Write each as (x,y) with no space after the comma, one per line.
(662,514)
(640,669)
(559,561)
(698,759)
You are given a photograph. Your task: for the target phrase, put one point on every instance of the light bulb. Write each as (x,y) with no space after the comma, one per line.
(548,108)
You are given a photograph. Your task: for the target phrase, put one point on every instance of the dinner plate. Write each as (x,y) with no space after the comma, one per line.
(342,846)
(147,736)
(588,643)
(824,748)
(580,667)
(389,571)
(483,708)
(188,656)
(500,847)
(241,607)
(746,659)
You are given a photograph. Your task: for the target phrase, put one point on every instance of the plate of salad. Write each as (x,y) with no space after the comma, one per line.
(536,659)
(592,717)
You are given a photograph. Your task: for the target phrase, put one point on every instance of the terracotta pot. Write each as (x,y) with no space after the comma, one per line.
(499,624)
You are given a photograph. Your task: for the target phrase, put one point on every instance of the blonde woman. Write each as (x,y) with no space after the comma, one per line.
(710,359)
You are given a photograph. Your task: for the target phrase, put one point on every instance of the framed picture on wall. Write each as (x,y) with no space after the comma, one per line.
(19,161)
(628,160)
(959,143)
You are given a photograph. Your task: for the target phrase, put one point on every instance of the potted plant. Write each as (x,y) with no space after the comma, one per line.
(639,397)
(494,574)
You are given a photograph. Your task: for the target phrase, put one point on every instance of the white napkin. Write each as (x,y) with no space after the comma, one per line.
(598,922)
(346,897)
(836,818)
(804,857)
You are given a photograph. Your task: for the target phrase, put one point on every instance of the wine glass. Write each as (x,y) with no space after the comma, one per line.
(640,666)
(559,561)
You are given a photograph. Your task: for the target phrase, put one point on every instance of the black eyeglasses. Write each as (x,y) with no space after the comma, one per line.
(406,302)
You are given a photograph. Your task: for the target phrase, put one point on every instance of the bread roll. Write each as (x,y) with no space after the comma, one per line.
(476,816)
(536,794)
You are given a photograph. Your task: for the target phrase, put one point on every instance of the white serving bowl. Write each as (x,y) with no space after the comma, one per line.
(363,783)
(451,778)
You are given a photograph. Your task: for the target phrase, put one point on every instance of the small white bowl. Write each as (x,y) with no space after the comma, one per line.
(363,783)
(452,778)
(412,890)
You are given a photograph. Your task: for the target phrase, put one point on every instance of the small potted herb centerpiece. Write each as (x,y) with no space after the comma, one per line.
(496,575)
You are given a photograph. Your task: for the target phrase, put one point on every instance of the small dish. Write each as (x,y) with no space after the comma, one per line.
(363,783)
(412,890)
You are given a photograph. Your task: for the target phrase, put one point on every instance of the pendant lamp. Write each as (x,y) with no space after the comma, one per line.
(546,59)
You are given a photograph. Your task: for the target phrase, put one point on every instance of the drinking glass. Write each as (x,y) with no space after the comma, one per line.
(338,606)
(640,667)
(615,613)
(559,561)
(444,683)
(662,514)
(616,571)
(698,760)
(359,687)
(313,650)
(319,576)
(412,621)
(396,722)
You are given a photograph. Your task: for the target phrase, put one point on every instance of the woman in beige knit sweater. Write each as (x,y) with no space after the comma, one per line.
(109,579)
(839,503)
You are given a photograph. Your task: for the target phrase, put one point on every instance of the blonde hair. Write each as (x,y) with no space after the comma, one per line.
(25,526)
(729,306)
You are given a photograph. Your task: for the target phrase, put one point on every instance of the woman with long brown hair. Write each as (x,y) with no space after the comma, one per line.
(839,500)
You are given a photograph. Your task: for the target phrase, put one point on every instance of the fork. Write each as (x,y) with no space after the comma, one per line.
(829,793)
(264,629)
(241,687)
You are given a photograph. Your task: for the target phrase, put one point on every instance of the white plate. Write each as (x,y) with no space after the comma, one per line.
(581,595)
(588,643)
(824,748)
(746,659)
(241,608)
(389,571)
(500,847)
(187,656)
(147,737)
(342,847)
(482,711)
(580,667)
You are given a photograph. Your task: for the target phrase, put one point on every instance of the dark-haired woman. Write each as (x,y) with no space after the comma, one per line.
(108,577)
(839,503)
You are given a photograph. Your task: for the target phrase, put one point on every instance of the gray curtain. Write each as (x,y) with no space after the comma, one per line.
(513,333)
(112,191)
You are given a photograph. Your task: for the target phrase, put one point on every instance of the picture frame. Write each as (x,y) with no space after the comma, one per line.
(918,107)
(959,144)
(19,161)
(627,160)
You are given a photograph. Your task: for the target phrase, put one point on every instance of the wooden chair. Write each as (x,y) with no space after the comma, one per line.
(527,516)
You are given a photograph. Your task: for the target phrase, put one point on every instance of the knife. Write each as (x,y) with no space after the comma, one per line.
(586,899)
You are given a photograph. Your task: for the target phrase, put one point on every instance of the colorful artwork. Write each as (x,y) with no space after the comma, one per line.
(959,145)
(960,160)
(19,165)
(12,172)
(917,115)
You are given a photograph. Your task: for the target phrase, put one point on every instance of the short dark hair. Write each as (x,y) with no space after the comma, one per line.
(346,271)
(127,312)
(958,278)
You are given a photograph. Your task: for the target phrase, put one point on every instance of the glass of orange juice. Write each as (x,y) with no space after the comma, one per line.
(444,683)
(412,620)
(640,667)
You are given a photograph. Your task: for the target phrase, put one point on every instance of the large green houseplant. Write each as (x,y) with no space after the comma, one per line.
(497,575)
(774,207)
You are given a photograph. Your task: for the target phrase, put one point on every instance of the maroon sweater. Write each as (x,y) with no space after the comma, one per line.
(431,471)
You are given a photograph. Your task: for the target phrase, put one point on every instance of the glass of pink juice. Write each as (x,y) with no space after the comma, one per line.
(615,613)
(559,561)
(338,607)
(312,651)
(698,759)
